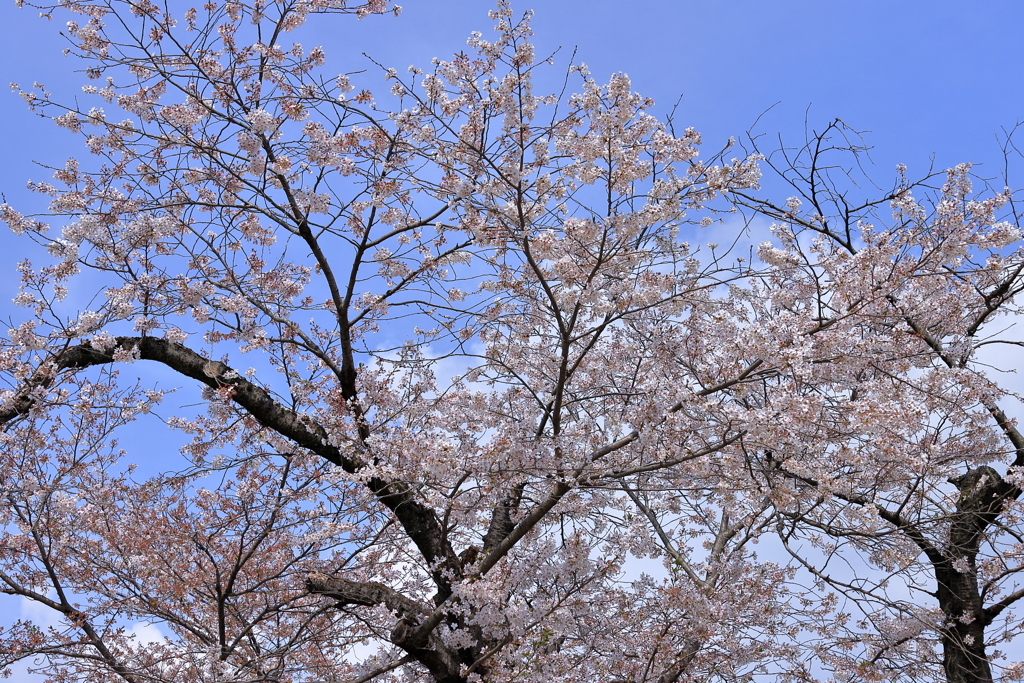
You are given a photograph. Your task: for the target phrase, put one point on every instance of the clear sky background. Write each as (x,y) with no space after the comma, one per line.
(926,77)
(929,78)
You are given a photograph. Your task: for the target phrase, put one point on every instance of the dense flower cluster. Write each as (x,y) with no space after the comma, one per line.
(490,373)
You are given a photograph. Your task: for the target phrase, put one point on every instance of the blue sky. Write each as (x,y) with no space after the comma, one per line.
(926,77)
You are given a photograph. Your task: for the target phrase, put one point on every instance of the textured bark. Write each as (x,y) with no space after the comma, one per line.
(443,664)
(963,644)
(366,593)
(502,523)
(982,495)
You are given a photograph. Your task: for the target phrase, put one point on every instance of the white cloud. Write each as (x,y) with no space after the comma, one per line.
(634,567)
(39,614)
(146,634)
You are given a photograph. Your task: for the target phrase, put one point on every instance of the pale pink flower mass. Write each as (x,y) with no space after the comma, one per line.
(503,348)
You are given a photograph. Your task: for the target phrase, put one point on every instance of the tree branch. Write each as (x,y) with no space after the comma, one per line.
(419,521)
(365,593)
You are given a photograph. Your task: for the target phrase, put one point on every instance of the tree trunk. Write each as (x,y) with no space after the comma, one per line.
(982,494)
(963,655)
(963,644)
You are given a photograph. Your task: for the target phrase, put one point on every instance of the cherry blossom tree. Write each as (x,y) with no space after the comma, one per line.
(905,459)
(462,366)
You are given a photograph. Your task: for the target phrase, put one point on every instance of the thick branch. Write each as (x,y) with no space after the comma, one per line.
(992,611)
(502,523)
(429,651)
(365,593)
(383,670)
(420,522)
